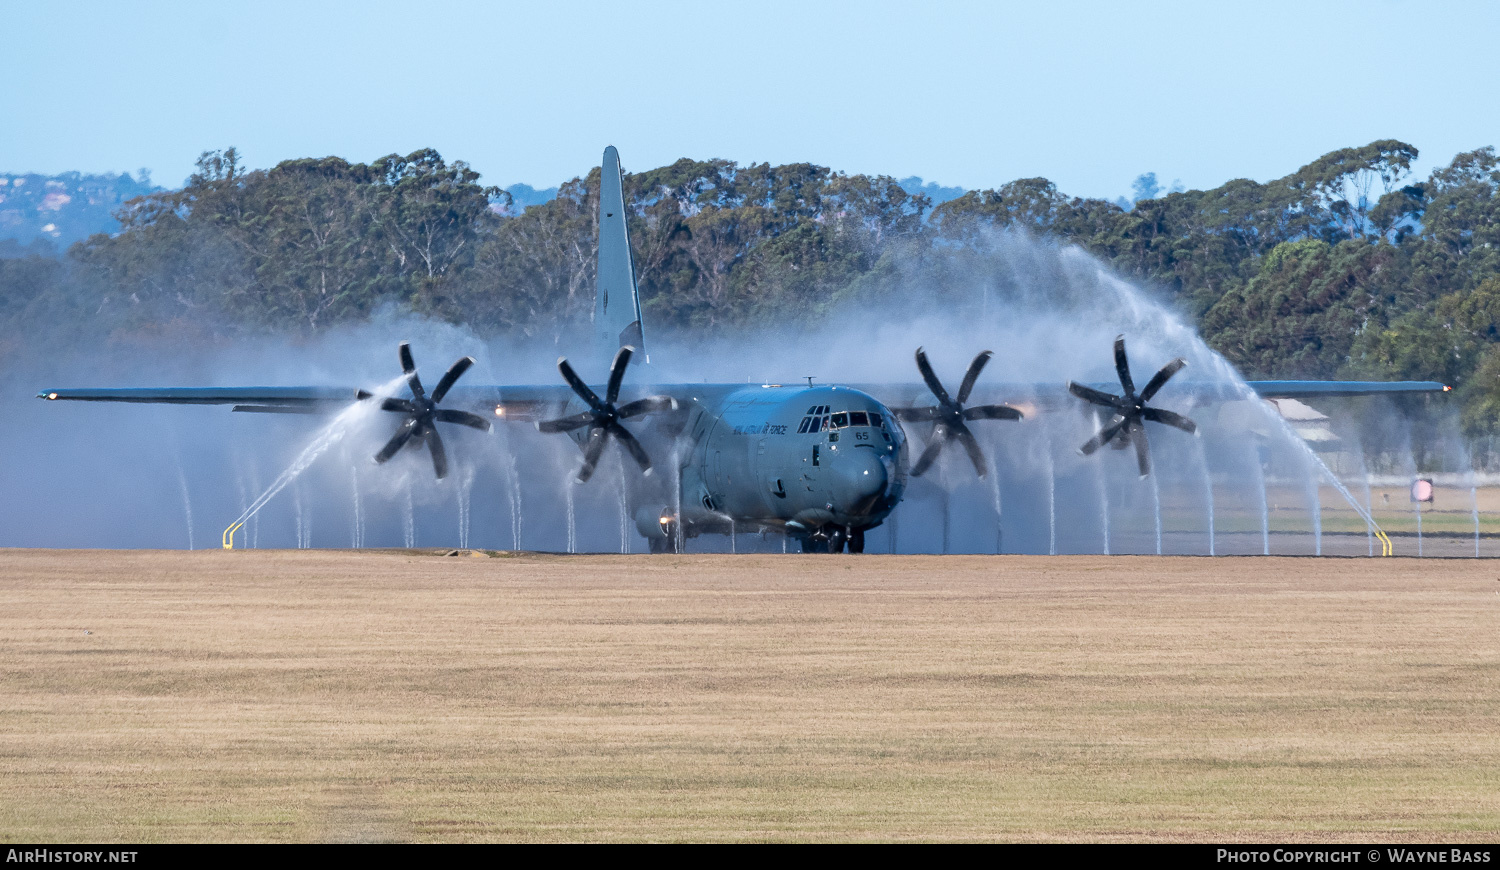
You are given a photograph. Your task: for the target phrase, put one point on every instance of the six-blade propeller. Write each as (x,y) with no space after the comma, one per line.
(949,418)
(603,417)
(1131,410)
(423,414)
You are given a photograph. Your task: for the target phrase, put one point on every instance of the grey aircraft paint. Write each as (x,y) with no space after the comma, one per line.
(617,303)
(820,464)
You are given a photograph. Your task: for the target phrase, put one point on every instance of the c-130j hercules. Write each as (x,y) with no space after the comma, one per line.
(820,464)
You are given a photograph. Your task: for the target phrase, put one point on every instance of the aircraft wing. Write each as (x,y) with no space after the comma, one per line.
(510,402)
(1052,397)
(1302,389)
(538,402)
(272,399)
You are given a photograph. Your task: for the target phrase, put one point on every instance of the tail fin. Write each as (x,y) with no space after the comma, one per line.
(617,303)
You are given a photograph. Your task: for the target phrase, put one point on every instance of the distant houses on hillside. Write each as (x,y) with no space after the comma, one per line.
(38,212)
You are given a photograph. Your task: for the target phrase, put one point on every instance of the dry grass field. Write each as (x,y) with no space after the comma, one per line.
(325,695)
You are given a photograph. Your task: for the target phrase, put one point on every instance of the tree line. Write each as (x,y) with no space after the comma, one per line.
(1348,267)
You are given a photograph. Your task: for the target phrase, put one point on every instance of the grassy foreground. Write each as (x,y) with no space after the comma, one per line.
(254,696)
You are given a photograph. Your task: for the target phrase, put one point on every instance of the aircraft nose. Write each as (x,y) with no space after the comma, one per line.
(862,480)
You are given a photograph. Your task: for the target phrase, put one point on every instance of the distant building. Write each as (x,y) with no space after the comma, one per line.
(63,209)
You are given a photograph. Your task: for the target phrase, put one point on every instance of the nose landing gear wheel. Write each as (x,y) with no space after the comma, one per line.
(856,540)
(667,544)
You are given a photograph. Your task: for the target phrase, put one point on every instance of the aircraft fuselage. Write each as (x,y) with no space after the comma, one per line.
(813,462)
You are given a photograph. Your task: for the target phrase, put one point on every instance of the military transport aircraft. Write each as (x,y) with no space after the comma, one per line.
(820,464)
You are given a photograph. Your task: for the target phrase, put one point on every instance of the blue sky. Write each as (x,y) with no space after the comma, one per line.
(972,94)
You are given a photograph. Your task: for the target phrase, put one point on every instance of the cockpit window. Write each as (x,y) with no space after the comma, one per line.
(875,420)
(840,420)
(825,424)
(811,411)
(859,418)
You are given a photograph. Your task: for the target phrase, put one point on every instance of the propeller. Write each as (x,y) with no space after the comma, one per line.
(1131,410)
(603,417)
(949,418)
(423,414)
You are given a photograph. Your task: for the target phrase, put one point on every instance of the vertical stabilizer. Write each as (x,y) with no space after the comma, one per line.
(617,303)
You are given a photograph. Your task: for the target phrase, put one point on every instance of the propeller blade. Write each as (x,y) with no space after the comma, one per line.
(410,367)
(916,415)
(579,387)
(650,405)
(398,441)
(1160,378)
(933,383)
(453,374)
(929,455)
(1142,449)
(439,455)
(463,418)
(401,405)
(971,444)
(972,375)
(566,424)
(591,453)
(1103,437)
(1160,416)
(992,412)
(1122,366)
(617,373)
(1089,394)
(628,441)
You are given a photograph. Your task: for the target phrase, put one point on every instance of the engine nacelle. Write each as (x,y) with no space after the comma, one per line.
(654,522)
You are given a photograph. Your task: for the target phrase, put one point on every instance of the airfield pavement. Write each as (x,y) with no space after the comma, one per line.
(371,696)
